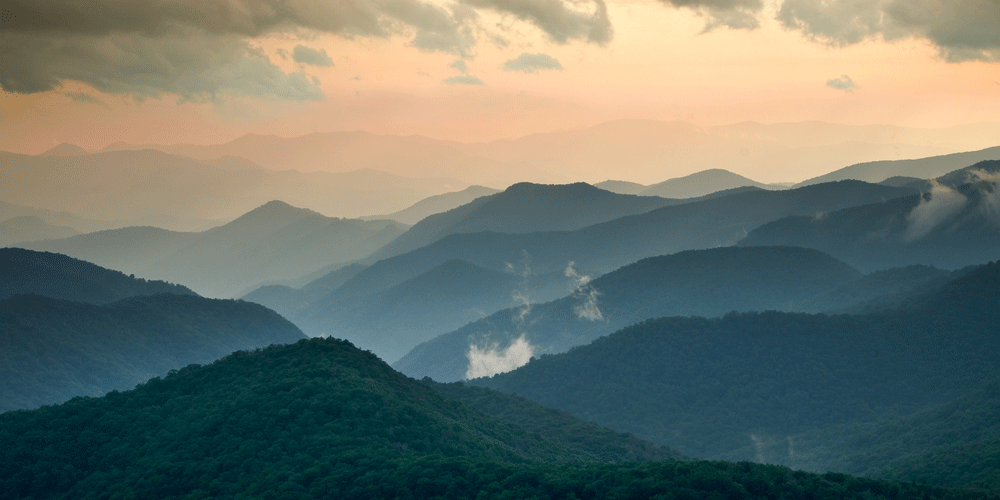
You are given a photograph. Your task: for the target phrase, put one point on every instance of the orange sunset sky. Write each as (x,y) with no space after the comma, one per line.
(95,72)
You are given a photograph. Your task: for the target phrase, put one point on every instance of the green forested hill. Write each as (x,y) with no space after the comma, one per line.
(321,419)
(52,350)
(709,386)
(58,276)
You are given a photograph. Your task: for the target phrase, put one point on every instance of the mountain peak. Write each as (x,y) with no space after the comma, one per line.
(65,149)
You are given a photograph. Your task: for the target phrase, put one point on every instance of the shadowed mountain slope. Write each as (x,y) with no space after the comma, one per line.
(954,225)
(698,282)
(524,208)
(709,386)
(61,277)
(55,350)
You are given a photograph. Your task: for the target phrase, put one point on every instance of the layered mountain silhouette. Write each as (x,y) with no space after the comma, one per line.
(524,208)
(954,225)
(61,277)
(274,241)
(709,386)
(435,204)
(701,184)
(144,183)
(635,147)
(922,168)
(30,228)
(698,282)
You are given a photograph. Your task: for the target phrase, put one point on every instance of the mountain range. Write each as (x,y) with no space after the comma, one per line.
(272,242)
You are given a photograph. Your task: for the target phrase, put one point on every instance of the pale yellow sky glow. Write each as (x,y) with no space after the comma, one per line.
(658,65)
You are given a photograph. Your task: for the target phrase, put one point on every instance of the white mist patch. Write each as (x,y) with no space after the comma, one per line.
(491,360)
(943,204)
(758,443)
(989,194)
(521,296)
(587,309)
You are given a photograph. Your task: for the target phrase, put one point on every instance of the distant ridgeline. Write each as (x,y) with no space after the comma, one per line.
(116,331)
(321,419)
(748,381)
(61,277)
(956,223)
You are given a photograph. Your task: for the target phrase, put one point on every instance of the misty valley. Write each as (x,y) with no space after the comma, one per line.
(229,322)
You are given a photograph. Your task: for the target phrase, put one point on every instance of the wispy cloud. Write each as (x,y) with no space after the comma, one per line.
(844,83)
(531,63)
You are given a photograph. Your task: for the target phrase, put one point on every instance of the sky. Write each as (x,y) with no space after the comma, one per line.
(96,72)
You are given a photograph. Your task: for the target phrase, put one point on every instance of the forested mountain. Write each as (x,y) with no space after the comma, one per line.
(954,225)
(61,277)
(621,187)
(708,386)
(696,282)
(321,419)
(274,241)
(524,208)
(56,349)
(953,444)
(30,228)
(880,290)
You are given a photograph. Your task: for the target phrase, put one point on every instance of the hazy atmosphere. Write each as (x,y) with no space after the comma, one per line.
(511,249)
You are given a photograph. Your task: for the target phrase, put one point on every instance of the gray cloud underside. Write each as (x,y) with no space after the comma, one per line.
(201,50)
(736,14)
(962,30)
(308,55)
(558,18)
(195,68)
(531,63)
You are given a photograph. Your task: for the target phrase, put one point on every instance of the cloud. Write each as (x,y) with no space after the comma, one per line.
(561,20)
(962,30)
(531,63)
(204,49)
(464,80)
(194,67)
(935,209)
(308,55)
(843,83)
(492,360)
(83,97)
(460,65)
(736,14)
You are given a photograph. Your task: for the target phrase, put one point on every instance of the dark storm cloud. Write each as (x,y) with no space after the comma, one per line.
(737,14)
(308,55)
(531,63)
(962,30)
(561,20)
